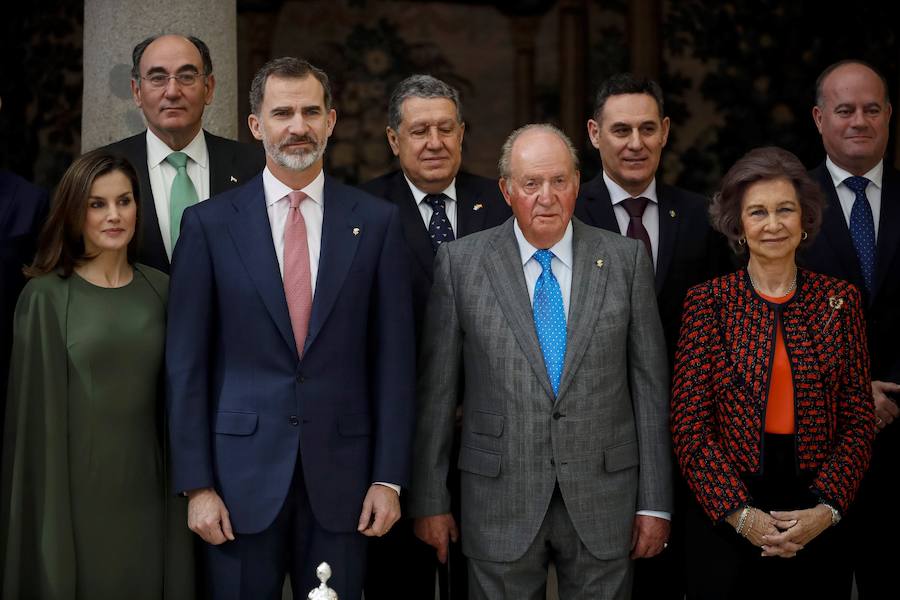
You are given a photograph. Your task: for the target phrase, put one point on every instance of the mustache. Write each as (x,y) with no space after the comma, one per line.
(298,139)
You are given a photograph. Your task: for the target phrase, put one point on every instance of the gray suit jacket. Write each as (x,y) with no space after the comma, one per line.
(605,438)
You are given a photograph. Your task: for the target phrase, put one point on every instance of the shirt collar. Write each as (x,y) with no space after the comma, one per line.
(419,195)
(561,249)
(158,150)
(838,175)
(275,190)
(617,193)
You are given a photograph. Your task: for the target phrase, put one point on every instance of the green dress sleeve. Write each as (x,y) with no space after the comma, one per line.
(37,551)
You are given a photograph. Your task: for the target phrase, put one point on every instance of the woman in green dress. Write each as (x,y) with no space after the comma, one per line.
(84,509)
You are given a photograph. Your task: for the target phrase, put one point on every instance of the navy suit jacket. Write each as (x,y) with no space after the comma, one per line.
(689,251)
(23,209)
(832,253)
(242,407)
(230,164)
(480,205)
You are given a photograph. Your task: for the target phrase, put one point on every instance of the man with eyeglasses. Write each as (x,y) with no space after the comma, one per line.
(179,163)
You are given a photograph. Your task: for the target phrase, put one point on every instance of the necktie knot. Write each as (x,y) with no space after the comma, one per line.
(635,207)
(435,201)
(177,160)
(295,198)
(857,184)
(544,258)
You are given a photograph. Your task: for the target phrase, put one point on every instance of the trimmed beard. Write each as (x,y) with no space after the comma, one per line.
(294,162)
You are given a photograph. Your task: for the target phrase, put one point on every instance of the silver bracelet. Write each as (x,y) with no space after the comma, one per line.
(742,520)
(835,514)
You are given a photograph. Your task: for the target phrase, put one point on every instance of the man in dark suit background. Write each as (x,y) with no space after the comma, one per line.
(23,209)
(172,82)
(630,130)
(425,131)
(290,359)
(860,242)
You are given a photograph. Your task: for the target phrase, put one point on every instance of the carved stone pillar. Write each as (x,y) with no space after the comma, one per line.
(523,32)
(573,15)
(644,41)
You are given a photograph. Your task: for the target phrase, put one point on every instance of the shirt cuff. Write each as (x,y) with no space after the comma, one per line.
(393,486)
(655,513)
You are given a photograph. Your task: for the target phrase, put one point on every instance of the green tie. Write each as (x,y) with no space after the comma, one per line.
(182,195)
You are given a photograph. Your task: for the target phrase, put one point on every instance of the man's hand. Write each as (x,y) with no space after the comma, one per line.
(798,528)
(437,531)
(885,409)
(380,510)
(208,517)
(649,536)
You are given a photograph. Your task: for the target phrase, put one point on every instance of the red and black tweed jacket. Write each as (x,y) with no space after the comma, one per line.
(721,383)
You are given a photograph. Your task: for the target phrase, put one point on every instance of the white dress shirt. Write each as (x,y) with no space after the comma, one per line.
(425,209)
(650,219)
(162,174)
(313,210)
(847,197)
(561,265)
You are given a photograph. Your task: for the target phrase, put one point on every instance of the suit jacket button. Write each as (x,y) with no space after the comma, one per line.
(552,462)
(558,415)
(293,420)
(301,378)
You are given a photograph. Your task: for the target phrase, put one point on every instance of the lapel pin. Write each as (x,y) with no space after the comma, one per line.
(478,206)
(233,180)
(356,231)
(672,213)
(599,263)
(835,302)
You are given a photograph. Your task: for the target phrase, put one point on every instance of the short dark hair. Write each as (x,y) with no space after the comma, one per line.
(138,53)
(61,243)
(288,67)
(820,80)
(764,164)
(627,83)
(420,86)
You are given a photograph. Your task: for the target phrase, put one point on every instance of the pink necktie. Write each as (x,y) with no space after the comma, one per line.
(297,283)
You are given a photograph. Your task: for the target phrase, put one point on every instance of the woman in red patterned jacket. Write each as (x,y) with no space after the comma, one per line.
(771,406)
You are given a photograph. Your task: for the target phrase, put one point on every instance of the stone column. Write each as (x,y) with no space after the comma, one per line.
(111,30)
(524,29)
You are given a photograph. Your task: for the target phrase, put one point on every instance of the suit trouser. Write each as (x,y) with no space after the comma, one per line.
(253,566)
(874,526)
(580,575)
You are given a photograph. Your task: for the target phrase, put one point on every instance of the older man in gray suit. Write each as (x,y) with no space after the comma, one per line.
(565,443)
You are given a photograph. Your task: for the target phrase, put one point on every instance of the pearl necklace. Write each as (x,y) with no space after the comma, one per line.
(789,290)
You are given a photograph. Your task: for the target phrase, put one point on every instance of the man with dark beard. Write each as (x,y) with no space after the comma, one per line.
(290,358)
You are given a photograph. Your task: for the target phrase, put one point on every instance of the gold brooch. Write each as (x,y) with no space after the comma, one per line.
(356,231)
(835,302)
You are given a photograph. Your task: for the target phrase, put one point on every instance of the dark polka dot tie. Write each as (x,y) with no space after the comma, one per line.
(550,318)
(439,228)
(862,229)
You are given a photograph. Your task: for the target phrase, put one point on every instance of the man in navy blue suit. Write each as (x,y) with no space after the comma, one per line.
(290,363)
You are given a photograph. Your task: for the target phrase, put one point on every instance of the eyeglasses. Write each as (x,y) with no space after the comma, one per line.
(161,80)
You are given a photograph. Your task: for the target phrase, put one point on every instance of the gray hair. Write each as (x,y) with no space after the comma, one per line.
(420,86)
(506,152)
(287,67)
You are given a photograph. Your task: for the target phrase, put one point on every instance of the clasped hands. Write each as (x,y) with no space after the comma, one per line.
(782,533)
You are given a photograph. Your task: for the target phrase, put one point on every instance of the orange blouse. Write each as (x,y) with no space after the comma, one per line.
(780,407)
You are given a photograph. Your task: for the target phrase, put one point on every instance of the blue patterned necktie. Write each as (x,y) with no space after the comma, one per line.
(862,229)
(550,319)
(439,228)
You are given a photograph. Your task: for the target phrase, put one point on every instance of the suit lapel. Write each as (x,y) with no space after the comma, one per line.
(888,227)
(151,242)
(504,268)
(339,245)
(252,236)
(469,207)
(599,205)
(220,160)
(414,229)
(585,300)
(668,233)
(835,231)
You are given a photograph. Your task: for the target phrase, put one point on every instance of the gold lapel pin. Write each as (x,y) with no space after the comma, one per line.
(478,206)
(835,302)
(233,180)
(672,213)
(356,231)
(599,263)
